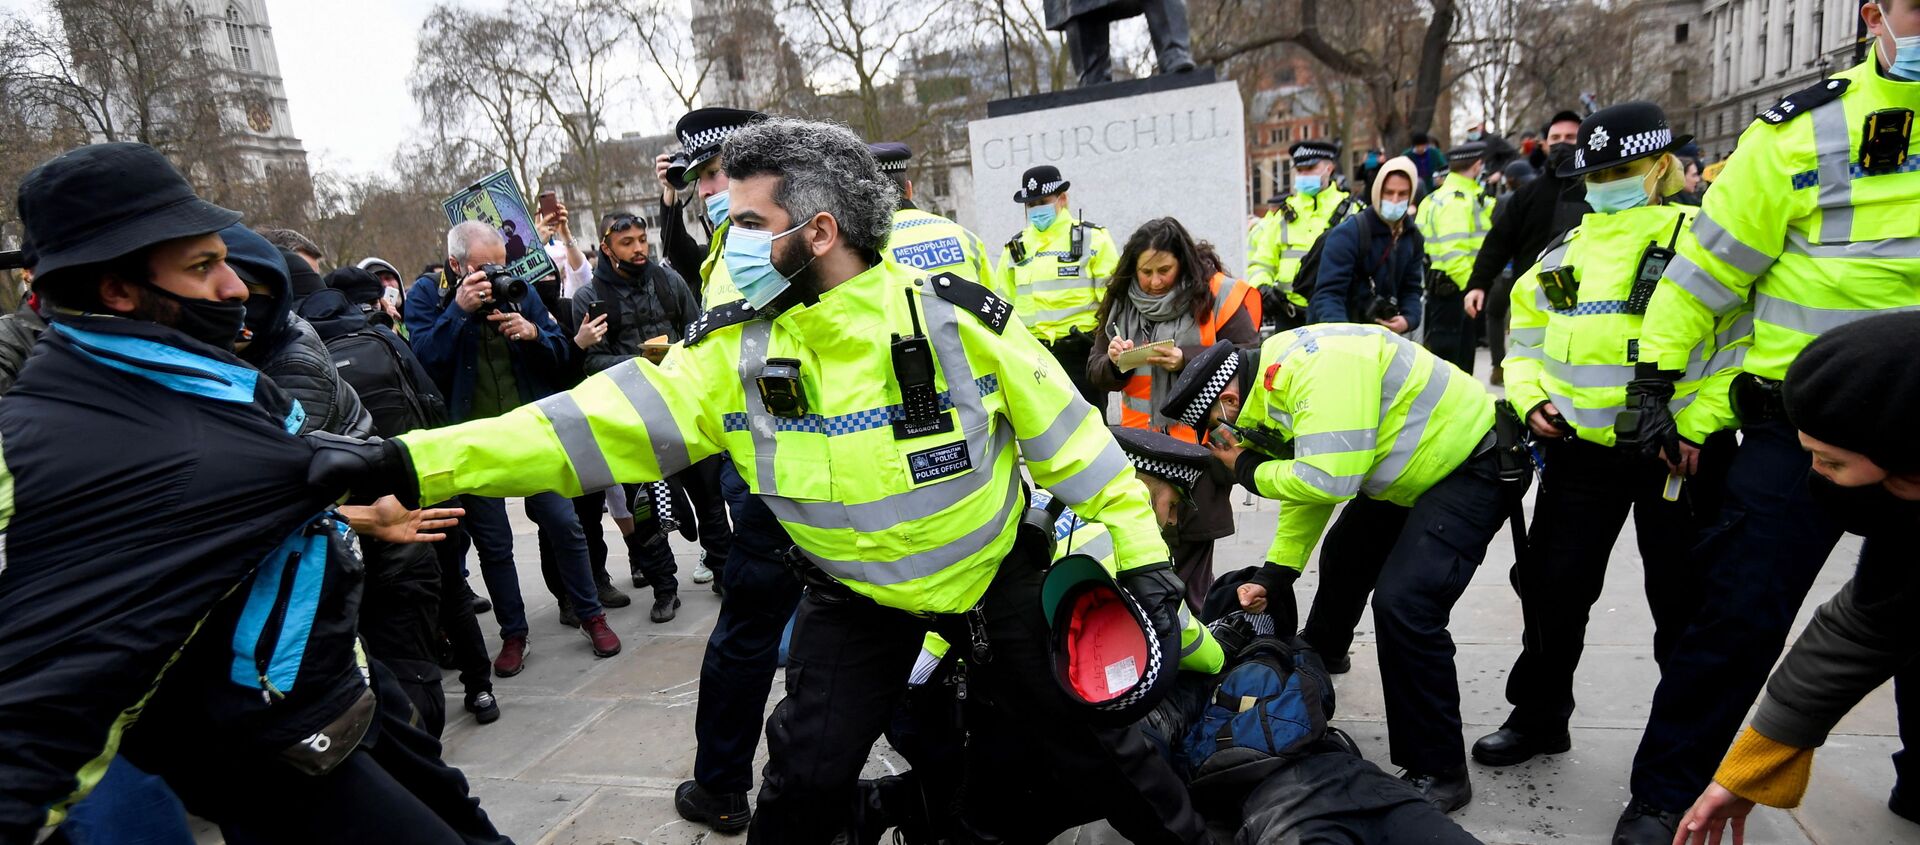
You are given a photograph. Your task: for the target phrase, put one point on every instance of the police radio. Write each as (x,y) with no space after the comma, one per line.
(913,371)
(1653,266)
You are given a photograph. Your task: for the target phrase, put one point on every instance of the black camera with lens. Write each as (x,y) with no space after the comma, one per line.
(508,289)
(1382,308)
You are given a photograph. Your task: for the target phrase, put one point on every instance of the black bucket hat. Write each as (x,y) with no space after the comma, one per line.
(1619,134)
(102,201)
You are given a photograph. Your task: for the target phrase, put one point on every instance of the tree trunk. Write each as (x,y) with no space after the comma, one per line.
(1433,65)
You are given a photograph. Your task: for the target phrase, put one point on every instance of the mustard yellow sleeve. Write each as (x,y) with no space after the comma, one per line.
(1766,772)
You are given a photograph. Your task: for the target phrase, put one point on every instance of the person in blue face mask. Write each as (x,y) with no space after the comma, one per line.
(1054,271)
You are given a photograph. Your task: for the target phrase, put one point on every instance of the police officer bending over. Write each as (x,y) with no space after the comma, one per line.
(879,414)
(1357,414)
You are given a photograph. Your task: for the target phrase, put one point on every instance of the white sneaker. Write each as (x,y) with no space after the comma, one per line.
(701,574)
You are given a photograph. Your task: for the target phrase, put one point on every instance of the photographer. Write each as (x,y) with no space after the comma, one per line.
(491,346)
(1370,271)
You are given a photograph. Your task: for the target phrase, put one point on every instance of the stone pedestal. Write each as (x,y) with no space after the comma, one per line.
(1165,146)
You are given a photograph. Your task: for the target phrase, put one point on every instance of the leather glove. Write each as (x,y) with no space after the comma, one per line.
(1159,592)
(1647,423)
(373,467)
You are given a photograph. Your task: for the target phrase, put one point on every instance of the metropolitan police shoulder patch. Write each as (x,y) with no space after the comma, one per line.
(1805,100)
(719,317)
(975,299)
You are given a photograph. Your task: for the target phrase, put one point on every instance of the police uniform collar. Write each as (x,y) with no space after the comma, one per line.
(851,312)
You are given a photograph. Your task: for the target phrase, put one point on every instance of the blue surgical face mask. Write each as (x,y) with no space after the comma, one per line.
(1905,61)
(1391,211)
(1617,195)
(749,257)
(717,208)
(1042,216)
(1308,184)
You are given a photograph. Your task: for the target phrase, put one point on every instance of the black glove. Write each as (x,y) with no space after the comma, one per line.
(373,467)
(1647,423)
(1244,466)
(1159,592)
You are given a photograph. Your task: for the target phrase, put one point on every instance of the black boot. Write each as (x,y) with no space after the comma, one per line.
(1508,747)
(1644,824)
(724,813)
(665,606)
(1447,791)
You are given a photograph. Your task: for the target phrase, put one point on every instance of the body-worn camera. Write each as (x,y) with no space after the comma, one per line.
(507,288)
(1382,308)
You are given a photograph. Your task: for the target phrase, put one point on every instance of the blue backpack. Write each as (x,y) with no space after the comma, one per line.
(1268,710)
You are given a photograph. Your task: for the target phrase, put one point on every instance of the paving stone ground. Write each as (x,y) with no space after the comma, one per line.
(588,751)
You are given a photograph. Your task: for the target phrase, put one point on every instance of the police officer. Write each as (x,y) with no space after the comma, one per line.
(1814,224)
(1053,272)
(758,593)
(1454,219)
(1590,289)
(1343,412)
(1318,203)
(922,240)
(876,412)
(698,167)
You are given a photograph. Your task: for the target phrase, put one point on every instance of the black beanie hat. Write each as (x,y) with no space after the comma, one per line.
(359,285)
(1856,387)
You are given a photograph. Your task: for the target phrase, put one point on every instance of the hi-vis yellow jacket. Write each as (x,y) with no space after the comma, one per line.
(1798,229)
(1368,411)
(915,522)
(1053,293)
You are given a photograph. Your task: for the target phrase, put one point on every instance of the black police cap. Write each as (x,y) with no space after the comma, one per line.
(1201,383)
(1040,181)
(892,156)
(701,132)
(1619,134)
(1312,150)
(1163,456)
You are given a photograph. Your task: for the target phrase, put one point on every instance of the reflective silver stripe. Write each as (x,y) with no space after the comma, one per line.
(920,565)
(1334,442)
(1528,337)
(1727,357)
(1449,256)
(1554,258)
(1127,401)
(1260,264)
(1894,248)
(576,439)
(1718,298)
(753,353)
(1087,483)
(889,512)
(1282,417)
(1226,300)
(1440,239)
(1589,418)
(1589,375)
(1058,284)
(1043,446)
(1098,547)
(1419,413)
(1810,320)
(663,433)
(1057,314)
(1723,245)
(1742,327)
(1293,253)
(1301,337)
(1520,351)
(1680,403)
(1836,171)
(1183,617)
(1339,487)
(943,326)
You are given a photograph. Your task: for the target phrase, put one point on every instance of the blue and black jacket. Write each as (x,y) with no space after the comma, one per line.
(446,339)
(171,587)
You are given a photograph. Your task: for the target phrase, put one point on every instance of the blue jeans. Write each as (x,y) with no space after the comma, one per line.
(128,807)
(493,541)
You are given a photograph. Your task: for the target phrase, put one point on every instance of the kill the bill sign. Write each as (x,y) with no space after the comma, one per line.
(496,201)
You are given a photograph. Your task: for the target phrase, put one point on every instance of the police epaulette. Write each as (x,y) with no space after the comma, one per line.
(975,299)
(1805,100)
(717,318)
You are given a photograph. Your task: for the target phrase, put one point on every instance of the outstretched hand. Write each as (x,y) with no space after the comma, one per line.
(388,520)
(1709,817)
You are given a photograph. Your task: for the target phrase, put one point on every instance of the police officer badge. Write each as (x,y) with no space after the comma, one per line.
(1033,185)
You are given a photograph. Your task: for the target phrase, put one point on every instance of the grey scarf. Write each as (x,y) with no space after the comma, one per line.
(1145,319)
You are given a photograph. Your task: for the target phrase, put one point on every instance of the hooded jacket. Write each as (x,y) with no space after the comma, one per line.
(285,347)
(333,315)
(158,501)
(658,303)
(1393,266)
(1526,221)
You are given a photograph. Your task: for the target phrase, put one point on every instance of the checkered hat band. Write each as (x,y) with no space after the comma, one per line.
(1183,473)
(1196,413)
(1641,143)
(1311,154)
(709,137)
(1149,678)
(893,166)
(1047,188)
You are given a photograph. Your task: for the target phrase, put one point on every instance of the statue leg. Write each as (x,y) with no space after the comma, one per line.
(1091,51)
(1167,23)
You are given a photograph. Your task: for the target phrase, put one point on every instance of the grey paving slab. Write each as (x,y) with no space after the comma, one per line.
(525,810)
(635,744)
(625,817)
(1847,801)
(530,728)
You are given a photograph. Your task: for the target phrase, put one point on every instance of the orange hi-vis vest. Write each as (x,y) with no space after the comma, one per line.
(1137,402)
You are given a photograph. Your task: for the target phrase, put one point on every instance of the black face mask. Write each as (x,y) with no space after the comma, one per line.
(1865,511)
(631,268)
(216,323)
(1559,154)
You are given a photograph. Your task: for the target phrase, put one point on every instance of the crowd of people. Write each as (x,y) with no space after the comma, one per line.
(895,456)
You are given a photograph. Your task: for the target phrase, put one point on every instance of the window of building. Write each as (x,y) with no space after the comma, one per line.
(1786,46)
(1273,137)
(237,42)
(1680,33)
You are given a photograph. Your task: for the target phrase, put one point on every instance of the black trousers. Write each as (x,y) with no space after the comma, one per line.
(394,788)
(1416,562)
(1336,798)
(758,595)
(649,554)
(846,669)
(1449,332)
(1072,351)
(711,510)
(1498,312)
(1586,493)
(457,621)
(400,622)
